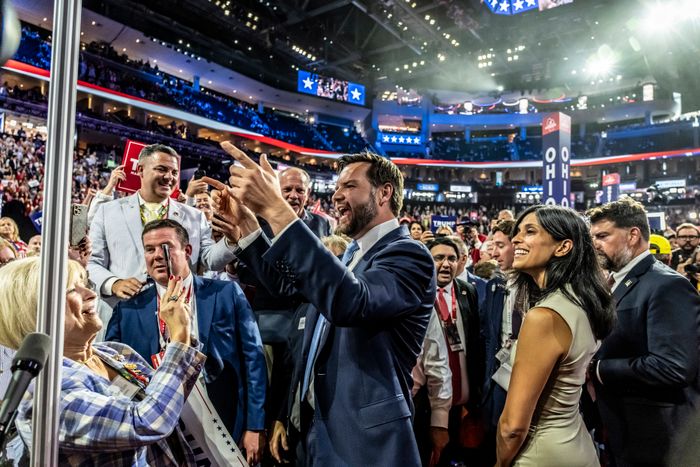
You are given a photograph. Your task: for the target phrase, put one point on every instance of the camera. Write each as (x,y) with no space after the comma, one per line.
(692,268)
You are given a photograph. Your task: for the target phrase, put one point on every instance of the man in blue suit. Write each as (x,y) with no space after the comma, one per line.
(235,373)
(500,325)
(352,386)
(646,372)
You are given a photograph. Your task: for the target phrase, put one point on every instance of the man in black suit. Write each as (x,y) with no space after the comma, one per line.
(457,310)
(646,372)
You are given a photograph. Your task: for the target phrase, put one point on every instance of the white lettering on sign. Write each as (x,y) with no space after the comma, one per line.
(134,165)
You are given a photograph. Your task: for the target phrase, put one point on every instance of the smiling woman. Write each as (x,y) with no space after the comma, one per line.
(561,330)
(114,408)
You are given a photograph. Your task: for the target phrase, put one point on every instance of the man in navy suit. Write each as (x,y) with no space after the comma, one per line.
(352,387)
(646,372)
(500,325)
(235,368)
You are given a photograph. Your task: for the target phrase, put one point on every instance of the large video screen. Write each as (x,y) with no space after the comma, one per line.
(330,88)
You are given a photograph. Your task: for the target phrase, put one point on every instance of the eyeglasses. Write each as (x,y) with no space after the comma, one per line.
(688,237)
(441,258)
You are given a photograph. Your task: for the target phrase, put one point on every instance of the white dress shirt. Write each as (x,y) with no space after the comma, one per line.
(433,369)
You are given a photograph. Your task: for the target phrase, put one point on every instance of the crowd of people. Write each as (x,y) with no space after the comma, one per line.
(101,65)
(361,338)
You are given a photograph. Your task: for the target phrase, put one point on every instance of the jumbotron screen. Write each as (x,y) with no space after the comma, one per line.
(330,88)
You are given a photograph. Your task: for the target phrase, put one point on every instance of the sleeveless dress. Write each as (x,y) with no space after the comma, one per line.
(557,435)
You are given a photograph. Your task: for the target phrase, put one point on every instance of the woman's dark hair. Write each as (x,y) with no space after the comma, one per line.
(418,224)
(579,268)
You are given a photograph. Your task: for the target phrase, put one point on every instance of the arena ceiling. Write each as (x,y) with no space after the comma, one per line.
(587,46)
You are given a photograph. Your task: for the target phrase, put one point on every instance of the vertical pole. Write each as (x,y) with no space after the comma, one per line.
(57,197)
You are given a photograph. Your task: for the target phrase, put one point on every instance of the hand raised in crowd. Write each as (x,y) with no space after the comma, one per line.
(82,252)
(126,288)
(225,228)
(257,187)
(89,195)
(253,444)
(427,236)
(117,175)
(175,312)
(278,440)
(681,266)
(196,186)
(231,218)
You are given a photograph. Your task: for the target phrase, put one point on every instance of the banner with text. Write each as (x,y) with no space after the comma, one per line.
(440,221)
(556,154)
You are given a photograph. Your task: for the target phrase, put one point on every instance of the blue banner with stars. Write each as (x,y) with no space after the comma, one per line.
(396,138)
(511,7)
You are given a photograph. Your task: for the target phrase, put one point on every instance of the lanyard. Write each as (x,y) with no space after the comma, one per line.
(161,213)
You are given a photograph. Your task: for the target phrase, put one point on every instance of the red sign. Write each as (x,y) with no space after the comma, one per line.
(611,179)
(556,121)
(130,161)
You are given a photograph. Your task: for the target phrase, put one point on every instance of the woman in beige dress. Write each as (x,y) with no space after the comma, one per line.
(569,310)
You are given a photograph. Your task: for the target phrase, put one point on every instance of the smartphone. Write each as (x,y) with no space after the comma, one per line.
(166,256)
(78,223)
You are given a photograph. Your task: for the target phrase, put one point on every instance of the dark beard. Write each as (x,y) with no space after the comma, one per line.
(361,216)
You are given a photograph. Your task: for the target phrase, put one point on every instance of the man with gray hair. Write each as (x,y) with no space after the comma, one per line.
(117,266)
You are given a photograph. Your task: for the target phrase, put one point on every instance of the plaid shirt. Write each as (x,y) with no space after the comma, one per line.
(101,426)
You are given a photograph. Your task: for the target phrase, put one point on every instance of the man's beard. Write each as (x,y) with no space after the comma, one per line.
(617,262)
(361,216)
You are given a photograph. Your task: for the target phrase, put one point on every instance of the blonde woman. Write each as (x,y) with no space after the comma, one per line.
(10,232)
(114,408)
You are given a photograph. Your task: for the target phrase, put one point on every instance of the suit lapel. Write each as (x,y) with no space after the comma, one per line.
(631,279)
(499,299)
(399,232)
(147,320)
(205,310)
(462,303)
(132,216)
(175,211)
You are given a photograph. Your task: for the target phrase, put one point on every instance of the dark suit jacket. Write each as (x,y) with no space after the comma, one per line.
(494,396)
(235,370)
(378,314)
(266,290)
(649,364)
(274,310)
(469,309)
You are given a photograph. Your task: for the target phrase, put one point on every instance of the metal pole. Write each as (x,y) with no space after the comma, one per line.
(57,197)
